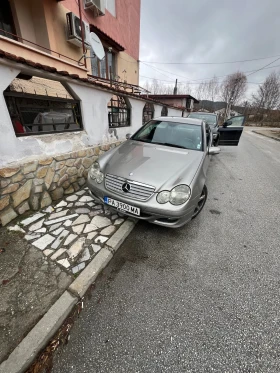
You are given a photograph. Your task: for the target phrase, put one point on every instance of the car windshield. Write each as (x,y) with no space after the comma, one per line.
(208,118)
(173,134)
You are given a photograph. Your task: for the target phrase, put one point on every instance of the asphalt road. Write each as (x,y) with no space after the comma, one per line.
(204,298)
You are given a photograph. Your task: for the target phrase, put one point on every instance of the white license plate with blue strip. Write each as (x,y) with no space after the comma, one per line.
(122,206)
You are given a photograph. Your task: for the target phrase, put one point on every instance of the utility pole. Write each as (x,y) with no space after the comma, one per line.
(175,88)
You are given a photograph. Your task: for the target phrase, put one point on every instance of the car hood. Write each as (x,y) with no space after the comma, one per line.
(155,165)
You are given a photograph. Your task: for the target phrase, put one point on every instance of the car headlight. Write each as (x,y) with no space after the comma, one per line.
(163,197)
(95,173)
(180,194)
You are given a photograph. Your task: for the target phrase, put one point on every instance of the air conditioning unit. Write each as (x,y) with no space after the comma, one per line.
(97,6)
(74,31)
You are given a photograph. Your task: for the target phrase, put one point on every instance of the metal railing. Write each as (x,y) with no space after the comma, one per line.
(126,87)
(21,40)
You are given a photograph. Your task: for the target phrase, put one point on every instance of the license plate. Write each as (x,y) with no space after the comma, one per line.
(122,206)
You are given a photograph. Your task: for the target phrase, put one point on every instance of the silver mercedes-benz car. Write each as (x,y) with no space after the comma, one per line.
(159,173)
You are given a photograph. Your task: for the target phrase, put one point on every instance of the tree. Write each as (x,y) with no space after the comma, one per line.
(211,90)
(233,89)
(268,94)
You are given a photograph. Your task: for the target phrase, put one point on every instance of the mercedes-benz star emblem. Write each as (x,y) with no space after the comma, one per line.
(126,187)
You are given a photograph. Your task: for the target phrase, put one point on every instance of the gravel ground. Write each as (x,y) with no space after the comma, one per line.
(204,298)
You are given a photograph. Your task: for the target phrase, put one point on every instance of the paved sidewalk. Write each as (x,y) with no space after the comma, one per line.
(40,256)
(271,133)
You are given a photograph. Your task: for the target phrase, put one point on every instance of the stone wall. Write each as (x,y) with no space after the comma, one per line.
(34,185)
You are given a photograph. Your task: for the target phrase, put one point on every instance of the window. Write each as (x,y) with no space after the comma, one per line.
(172,134)
(6,20)
(211,119)
(236,121)
(111,7)
(164,111)
(105,68)
(50,110)
(119,112)
(148,112)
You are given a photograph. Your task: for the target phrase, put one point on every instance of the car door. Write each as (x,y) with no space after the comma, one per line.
(231,131)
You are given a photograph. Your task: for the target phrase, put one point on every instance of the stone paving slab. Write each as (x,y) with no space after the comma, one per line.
(71,232)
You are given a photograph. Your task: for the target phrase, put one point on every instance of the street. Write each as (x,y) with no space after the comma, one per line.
(203,298)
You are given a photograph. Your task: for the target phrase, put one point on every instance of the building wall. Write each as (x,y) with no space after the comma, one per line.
(36,170)
(95,120)
(30,21)
(124,28)
(128,68)
(44,23)
(173,101)
(57,30)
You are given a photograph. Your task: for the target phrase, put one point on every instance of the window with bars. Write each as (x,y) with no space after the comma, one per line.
(164,111)
(38,115)
(105,68)
(148,112)
(119,112)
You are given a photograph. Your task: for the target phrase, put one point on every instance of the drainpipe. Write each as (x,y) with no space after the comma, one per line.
(83,35)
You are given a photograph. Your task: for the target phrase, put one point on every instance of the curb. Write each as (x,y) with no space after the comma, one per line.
(24,354)
(270,137)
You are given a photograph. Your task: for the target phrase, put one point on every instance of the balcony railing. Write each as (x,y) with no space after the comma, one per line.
(18,38)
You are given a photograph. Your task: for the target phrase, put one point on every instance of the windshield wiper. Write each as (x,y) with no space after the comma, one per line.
(140,140)
(173,145)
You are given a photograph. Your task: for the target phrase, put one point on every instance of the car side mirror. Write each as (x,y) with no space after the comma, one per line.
(214,150)
(227,123)
(128,136)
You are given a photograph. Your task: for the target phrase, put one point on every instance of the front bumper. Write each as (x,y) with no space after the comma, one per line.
(166,215)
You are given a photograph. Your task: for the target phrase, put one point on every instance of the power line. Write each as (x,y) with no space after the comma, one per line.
(159,70)
(209,63)
(172,82)
(262,68)
(221,76)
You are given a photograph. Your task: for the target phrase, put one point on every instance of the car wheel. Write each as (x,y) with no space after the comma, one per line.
(201,202)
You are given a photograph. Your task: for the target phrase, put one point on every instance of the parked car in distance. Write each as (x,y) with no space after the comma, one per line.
(158,174)
(212,120)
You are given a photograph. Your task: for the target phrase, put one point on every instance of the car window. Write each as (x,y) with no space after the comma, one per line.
(236,121)
(208,118)
(173,134)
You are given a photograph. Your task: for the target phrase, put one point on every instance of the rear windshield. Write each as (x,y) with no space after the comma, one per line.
(173,134)
(208,118)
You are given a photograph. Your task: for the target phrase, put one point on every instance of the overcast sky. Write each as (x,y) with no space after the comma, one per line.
(209,31)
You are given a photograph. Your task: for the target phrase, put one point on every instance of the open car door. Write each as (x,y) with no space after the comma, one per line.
(231,131)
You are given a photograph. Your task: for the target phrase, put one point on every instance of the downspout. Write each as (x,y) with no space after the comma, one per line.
(83,35)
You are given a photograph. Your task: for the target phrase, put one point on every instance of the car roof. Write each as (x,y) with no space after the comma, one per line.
(197,122)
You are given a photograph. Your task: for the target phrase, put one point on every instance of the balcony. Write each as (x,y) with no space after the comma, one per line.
(47,57)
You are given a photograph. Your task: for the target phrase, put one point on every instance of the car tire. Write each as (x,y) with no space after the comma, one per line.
(201,202)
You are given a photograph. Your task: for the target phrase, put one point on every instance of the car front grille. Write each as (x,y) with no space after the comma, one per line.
(138,191)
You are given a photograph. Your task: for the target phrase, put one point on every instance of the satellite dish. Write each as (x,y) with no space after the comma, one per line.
(96,46)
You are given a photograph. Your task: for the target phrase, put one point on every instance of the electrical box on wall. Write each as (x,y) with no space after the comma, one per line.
(97,6)
(74,31)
